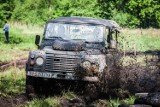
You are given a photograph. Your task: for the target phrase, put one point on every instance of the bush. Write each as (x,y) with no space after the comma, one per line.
(125,19)
(15,40)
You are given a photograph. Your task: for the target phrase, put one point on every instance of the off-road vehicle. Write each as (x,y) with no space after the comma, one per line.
(72,49)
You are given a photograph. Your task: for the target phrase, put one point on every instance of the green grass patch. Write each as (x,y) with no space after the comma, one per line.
(51,101)
(55,101)
(20,42)
(116,102)
(44,102)
(140,40)
(12,82)
(8,53)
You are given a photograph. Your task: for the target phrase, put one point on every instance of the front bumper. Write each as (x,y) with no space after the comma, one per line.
(48,75)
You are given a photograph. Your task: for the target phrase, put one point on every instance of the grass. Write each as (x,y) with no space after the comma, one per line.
(21,40)
(44,102)
(116,102)
(11,54)
(55,101)
(27,28)
(12,82)
(51,101)
(140,39)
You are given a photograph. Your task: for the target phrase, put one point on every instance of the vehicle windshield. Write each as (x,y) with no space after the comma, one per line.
(89,33)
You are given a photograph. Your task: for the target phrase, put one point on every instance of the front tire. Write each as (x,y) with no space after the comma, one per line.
(31,87)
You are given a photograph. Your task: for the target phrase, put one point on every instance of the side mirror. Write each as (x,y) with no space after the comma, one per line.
(112,44)
(37,40)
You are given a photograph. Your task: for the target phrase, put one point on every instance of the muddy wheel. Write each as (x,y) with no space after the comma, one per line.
(91,91)
(31,87)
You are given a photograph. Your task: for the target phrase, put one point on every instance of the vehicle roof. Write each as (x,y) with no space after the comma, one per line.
(86,20)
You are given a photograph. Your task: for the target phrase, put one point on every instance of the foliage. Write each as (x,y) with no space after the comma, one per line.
(12,82)
(6,7)
(125,19)
(42,10)
(116,102)
(141,13)
(129,100)
(45,102)
(130,13)
(145,10)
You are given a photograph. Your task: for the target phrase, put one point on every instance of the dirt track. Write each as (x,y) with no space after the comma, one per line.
(18,63)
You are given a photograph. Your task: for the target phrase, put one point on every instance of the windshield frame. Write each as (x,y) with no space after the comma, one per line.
(73,23)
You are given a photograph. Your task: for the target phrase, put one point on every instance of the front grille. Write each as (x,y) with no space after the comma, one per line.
(61,63)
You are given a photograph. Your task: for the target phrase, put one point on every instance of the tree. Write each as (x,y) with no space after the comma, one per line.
(6,8)
(128,13)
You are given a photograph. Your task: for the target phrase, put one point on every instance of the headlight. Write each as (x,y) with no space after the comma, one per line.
(32,56)
(39,61)
(86,64)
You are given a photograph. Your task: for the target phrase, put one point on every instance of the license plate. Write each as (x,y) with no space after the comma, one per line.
(40,74)
(50,75)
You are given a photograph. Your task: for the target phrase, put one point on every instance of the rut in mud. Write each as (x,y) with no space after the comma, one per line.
(19,63)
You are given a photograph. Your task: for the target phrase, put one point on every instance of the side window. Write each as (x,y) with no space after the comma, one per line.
(114,35)
(112,39)
(107,37)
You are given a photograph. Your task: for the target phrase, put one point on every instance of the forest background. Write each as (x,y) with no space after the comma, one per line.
(128,13)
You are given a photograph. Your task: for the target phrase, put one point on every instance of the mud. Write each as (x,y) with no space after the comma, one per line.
(3,63)
(13,101)
(21,100)
(76,102)
(18,63)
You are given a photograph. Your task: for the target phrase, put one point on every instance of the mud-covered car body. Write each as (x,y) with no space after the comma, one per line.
(72,48)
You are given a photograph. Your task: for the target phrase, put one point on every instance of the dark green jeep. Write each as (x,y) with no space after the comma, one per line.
(72,49)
